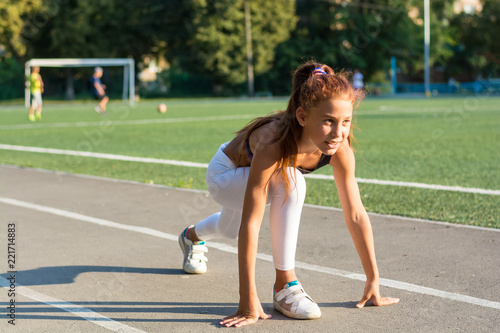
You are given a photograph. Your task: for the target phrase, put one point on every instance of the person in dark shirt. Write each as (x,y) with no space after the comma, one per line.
(98,90)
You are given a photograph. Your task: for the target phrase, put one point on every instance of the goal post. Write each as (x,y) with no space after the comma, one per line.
(127,63)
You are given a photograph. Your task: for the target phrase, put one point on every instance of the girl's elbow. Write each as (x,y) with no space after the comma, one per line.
(357,217)
(352,220)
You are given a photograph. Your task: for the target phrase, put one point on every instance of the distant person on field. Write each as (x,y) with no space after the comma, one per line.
(452,85)
(98,90)
(36,89)
(357,79)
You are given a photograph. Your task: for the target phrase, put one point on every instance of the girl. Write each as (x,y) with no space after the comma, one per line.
(263,165)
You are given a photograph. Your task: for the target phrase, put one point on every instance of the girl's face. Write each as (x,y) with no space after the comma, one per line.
(325,126)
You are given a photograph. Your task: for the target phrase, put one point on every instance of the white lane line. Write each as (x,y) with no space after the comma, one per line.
(418,185)
(402,218)
(103,156)
(266,257)
(124,181)
(404,286)
(74,309)
(205,165)
(109,123)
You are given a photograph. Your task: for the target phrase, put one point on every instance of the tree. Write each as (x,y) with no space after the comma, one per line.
(477,50)
(363,34)
(347,35)
(215,32)
(14,27)
(96,29)
(443,36)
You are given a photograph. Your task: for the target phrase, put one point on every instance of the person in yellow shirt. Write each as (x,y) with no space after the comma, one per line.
(36,89)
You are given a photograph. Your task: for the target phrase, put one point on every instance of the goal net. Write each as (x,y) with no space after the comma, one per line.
(126,63)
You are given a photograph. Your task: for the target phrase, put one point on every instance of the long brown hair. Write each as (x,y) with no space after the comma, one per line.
(308,90)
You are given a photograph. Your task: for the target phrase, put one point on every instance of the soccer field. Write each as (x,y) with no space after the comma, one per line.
(451,142)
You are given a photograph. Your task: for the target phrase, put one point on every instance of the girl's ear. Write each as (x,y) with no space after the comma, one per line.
(301,115)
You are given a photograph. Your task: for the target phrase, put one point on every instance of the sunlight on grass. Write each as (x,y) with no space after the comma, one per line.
(445,141)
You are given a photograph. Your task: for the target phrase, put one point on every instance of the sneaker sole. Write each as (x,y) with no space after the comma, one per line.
(295,315)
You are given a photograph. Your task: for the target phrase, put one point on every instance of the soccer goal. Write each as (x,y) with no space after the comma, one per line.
(128,72)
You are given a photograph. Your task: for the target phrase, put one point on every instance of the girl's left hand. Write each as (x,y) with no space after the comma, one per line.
(245,317)
(372,293)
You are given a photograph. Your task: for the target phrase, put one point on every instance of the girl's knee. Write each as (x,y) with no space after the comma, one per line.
(229,223)
(228,231)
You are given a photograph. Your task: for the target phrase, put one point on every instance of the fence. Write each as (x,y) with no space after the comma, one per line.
(474,87)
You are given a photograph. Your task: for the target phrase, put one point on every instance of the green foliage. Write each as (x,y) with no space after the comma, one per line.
(217,46)
(364,35)
(346,35)
(11,79)
(15,26)
(443,36)
(204,40)
(97,28)
(479,42)
(185,84)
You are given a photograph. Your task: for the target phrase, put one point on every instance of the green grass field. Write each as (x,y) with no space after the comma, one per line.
(441,141)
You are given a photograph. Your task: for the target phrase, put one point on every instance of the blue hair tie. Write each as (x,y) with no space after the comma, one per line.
(318,71)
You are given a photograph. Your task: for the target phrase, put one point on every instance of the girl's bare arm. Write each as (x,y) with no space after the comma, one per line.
(261,170)
(358,223)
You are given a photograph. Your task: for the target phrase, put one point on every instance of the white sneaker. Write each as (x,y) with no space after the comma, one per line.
(98,109)
(294,302)
(194,261)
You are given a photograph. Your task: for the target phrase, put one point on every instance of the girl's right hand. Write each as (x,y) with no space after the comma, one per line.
(246,315)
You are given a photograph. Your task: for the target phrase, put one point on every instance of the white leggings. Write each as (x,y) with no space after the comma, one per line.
(227,183)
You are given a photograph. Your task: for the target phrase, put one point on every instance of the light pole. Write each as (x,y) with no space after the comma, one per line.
(427,40)
(248,33)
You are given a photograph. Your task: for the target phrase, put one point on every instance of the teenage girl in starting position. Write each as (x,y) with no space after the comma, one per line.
(263,165)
